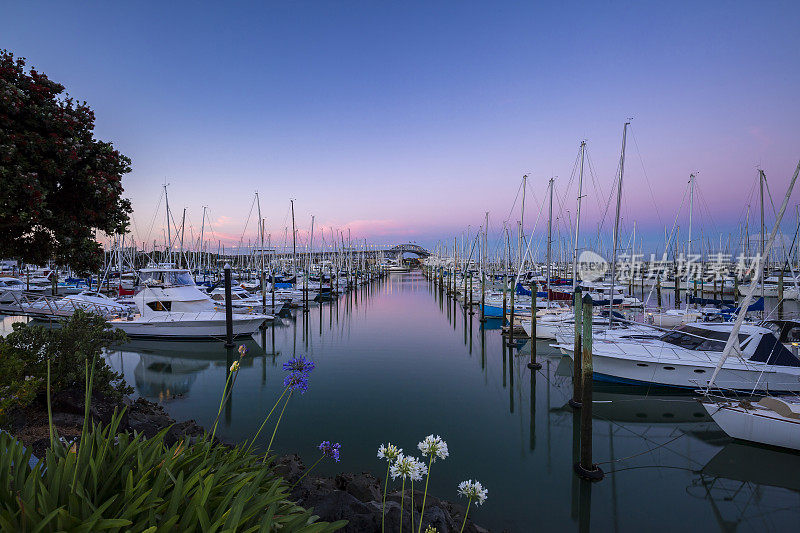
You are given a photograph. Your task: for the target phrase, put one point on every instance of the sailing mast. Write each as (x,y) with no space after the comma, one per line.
(261,235)
(549,238)
(169,237)
(294,243)
(689,244)
(616,222)
(578,222)
(521,232)
(761,179)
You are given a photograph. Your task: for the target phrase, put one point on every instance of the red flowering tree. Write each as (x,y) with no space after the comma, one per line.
(58,184)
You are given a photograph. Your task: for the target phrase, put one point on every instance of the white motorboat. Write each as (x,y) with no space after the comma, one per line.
(12,288)
(172,307)
(773,420)
(672,318)
(90,301)
(244,302)
(686,357)
(770,288)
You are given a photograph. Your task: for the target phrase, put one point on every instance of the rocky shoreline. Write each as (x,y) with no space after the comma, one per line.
(355,497)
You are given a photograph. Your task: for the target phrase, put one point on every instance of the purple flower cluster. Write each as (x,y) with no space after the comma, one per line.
(299,364)
(330,450)
(296,381)
(299,370)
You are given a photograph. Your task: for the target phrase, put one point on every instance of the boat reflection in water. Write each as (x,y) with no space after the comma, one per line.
(749,486)
(168,369)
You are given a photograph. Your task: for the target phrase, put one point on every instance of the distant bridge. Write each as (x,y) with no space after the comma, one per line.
(407,248)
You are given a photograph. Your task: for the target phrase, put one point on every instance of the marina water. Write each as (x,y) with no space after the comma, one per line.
(395,362)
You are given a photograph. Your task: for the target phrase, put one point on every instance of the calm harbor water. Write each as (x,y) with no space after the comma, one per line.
(395,363)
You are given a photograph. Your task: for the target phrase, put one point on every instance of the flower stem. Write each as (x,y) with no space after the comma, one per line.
(383,509)
(402,501)
(269,447)
(307,471)
(464,523)
(221,403)
(50,411)
(265,420)
(412,505)
(425,495)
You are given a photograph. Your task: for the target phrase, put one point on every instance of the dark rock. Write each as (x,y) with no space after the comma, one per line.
(290,467)
(339,505)
(364,486)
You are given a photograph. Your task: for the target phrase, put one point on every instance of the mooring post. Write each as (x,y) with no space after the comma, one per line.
(533,365)
(511,324)
(658,291)
(586,468)
(677,289)
(577,375)
(780,294)
(228,308)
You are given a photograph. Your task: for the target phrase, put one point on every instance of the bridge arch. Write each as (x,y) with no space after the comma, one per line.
(408,248)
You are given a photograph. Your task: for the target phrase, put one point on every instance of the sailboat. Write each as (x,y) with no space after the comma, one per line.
(772,420)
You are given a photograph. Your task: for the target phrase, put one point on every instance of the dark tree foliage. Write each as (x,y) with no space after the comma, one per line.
(58,184)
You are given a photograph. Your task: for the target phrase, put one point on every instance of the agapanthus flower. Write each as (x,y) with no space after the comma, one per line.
(235,366)
(296,381)
(407,466)
(433,446)
(402,467)
(330,450)
(473,490)
(418,469)
(389,452)
(299,364)
(242,350)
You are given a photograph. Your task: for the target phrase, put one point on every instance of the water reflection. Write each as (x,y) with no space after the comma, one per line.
(398,360)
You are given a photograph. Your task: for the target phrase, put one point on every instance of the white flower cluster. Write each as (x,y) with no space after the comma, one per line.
(473,490)
(407,466)
(433,446)
(390,452)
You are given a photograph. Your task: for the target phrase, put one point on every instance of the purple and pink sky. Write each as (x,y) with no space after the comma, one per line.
(408,121)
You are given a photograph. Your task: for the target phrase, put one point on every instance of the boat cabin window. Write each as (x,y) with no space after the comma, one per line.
(693,338)
(160,306)
(174,278)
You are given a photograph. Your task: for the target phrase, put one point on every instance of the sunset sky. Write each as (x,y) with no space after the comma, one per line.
(407,121)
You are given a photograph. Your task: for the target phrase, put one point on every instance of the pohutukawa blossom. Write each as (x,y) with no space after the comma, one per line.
(330,450)
(299,364)
(473,490)
(389,452)
(235,366)
(433,447)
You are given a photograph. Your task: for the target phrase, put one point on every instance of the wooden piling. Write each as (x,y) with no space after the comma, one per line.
(658,291)
(585,468)
(575,401)
(228,308)
(533,365)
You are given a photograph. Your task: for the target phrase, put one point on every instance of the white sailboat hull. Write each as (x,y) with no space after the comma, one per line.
(756,425)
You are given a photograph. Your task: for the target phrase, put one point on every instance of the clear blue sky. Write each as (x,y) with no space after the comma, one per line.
(409,120)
